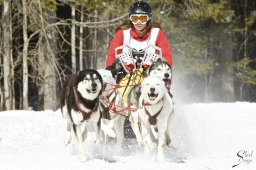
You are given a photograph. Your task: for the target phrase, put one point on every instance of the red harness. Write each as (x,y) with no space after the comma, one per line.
(152,119)
(86,115)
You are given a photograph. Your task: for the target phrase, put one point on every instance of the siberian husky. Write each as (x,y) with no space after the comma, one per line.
(111,118)
(163,70)
(80,107)
(160,69)
(155,115)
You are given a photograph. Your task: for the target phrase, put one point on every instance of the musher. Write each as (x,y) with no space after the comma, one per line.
(136,32)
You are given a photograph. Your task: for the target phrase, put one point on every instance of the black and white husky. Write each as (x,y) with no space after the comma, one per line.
(80,106)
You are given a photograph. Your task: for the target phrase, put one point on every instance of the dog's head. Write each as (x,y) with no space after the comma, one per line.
(108,81)
(89,84)
(161,69)
(152,89)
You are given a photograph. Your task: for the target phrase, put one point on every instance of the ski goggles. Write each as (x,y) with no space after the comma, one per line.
(135,18)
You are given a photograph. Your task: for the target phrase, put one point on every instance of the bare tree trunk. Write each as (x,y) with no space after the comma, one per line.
(25,55)
(7,55)
(1,77)
(81,62)
(73,39)
(94,59)
(48,49)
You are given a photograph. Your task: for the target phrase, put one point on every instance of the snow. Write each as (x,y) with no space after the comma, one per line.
(205,137)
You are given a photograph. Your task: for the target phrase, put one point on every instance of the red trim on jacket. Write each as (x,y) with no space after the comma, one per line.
(161,42)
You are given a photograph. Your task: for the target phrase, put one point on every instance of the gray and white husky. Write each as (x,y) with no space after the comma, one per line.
(163,70)
(80,107)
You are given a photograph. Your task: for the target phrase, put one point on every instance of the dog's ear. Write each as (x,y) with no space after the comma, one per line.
(101,80)
(158,60)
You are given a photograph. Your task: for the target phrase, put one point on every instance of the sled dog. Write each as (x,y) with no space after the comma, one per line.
(155,115)
(80,107)
(160,69)
(163,70)
(111,118)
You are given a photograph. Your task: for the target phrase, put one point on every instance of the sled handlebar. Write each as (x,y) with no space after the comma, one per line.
(126,57)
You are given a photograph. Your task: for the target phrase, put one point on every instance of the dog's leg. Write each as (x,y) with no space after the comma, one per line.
(107,127)
(98,132)
(147,136)
(161,141)
(68,133)
(84,133)
(77,135)
(119,128)
(168,130)
(134,119)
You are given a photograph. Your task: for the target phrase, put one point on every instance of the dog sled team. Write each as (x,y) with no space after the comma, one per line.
(135,85)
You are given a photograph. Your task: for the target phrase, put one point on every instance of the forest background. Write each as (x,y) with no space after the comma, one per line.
(213,44)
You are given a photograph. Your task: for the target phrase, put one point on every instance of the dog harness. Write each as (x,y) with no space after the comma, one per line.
(151,119)
(86,115)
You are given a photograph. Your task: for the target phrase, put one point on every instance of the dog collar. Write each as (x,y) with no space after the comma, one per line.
(86,115)
(147,104)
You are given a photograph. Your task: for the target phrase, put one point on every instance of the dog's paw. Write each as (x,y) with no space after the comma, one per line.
(160,155)
(160,158)
(140,143)
(83,158)
(67,140)
(152,146)
(111,133)
(140,140)
(99,142)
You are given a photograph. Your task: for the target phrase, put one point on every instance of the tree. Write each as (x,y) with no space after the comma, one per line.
(25,56)
(244,52)
(7,56)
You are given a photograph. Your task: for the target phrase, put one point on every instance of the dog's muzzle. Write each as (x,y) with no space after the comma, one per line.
(93,89)
(152,95)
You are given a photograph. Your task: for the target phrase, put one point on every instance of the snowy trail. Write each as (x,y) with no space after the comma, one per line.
(205,136)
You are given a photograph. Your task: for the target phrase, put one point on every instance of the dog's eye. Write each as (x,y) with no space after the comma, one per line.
(86,79)
(157,84)
(158,69)
(96,78)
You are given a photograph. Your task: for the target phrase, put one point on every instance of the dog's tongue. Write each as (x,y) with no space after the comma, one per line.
(152,96)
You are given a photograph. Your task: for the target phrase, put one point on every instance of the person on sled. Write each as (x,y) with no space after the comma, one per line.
(136,32)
